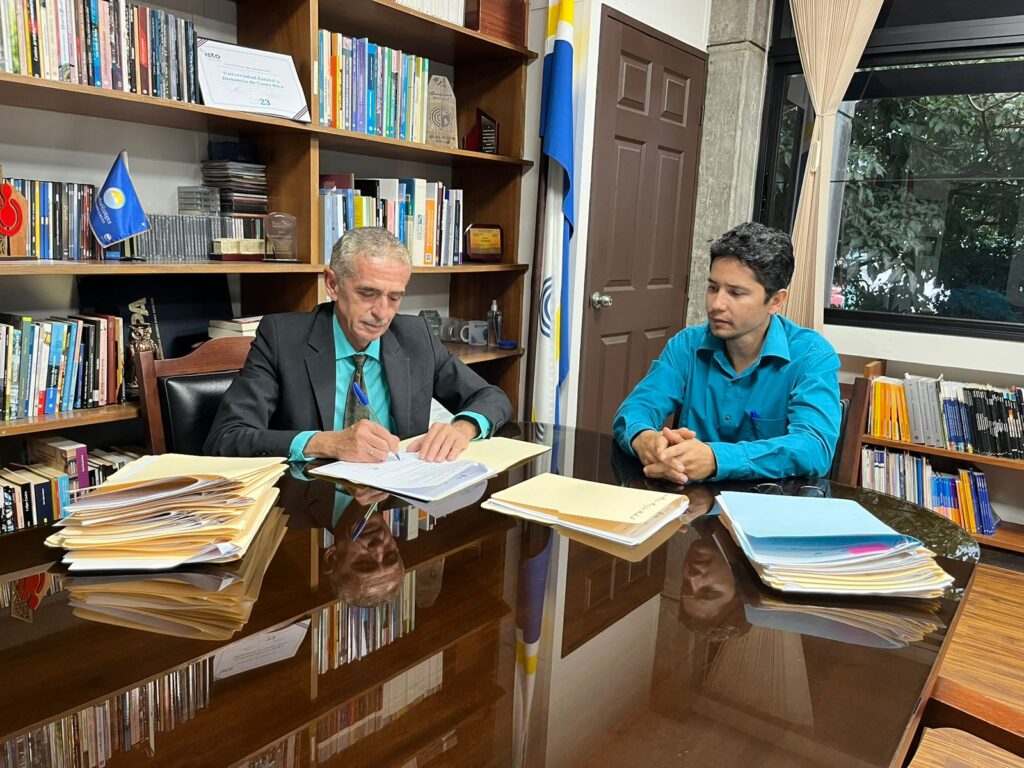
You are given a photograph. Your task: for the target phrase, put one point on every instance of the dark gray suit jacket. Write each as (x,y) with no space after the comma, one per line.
(287,384)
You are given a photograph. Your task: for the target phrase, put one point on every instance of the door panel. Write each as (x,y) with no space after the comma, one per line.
(646,147)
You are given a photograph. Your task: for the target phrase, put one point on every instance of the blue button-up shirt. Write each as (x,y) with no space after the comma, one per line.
(778,418)
(376,391)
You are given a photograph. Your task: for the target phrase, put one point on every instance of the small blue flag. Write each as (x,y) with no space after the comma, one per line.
(116,212)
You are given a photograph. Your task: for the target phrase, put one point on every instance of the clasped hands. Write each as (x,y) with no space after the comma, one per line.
(367,441)
(675,455)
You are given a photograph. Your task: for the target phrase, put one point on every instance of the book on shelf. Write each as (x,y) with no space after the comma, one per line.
(802,544)
(426,216)
(961,497)
(452,11)
(369,88)
(114,44)
(970,418)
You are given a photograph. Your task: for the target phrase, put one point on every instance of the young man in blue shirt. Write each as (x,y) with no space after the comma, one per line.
(755,394)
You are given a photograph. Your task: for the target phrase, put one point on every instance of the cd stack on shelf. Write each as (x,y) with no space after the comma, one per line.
(243,186)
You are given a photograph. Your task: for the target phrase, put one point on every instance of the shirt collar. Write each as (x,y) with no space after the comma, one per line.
(343,347)
(776,344)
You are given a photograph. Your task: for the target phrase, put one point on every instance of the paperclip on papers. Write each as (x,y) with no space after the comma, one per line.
(159,512)
(811,545)
(624,515)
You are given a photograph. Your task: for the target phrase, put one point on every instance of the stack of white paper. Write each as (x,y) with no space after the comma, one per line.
(159,512)
(804,544)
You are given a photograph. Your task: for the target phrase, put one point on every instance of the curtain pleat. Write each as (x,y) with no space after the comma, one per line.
(831,35)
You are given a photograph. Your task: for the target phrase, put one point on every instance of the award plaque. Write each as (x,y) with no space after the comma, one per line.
(441,114)
(483,136)
(433,320)
(280,237)
(483,242)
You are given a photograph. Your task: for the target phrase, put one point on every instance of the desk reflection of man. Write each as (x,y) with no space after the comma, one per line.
(710,602)
(363,567)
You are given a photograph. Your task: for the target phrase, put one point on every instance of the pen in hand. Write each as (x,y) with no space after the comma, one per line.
(365,402)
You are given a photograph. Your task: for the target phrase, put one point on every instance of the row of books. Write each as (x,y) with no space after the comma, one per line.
(351,632)
(57,219)
(453,11)
(973,418)
(962,497)
(425,215)
(39,491)
(92,736)
(56,364)
(369,88)
(369,713)
(110,44)
(174,237)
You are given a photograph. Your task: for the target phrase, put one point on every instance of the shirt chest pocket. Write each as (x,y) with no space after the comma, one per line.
(766,428)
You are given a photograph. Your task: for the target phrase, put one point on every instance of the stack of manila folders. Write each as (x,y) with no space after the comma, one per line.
(802,544)
(205,602)
(161,512)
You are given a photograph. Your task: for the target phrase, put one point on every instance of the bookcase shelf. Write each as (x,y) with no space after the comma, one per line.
(55,268)
(396,149)
(974,458)
(88,101)
(77,418)
(1008,536)
(470,354)
(470,269)
(411,30)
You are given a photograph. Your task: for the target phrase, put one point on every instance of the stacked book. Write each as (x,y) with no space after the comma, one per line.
(243,186)
(369,88)
(57,219)
(810,545)
(425,215)
(177,238)
(160,512)
(56,364)
(198,201)
(962,498)
(973,418)
(240,326)
(112,44)
(211,603)
(452,11)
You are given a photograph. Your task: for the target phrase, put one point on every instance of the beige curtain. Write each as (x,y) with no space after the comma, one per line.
(831,35)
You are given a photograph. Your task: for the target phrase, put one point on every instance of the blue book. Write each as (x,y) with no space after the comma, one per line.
(371,88)
(67,395)
(801,529)
(53,366)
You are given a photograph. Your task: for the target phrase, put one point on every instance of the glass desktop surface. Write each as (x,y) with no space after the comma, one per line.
(507,644)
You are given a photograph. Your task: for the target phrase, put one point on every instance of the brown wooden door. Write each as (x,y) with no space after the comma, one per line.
(650,97)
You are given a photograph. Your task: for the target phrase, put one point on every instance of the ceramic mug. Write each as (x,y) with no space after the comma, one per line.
(475,333)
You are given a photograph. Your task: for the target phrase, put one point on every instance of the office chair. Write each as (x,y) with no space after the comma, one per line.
(180,397)
(844,412)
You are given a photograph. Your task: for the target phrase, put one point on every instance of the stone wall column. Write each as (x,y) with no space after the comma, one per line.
(737,59)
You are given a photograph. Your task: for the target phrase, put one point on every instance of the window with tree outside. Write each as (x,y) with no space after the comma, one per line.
(927,210)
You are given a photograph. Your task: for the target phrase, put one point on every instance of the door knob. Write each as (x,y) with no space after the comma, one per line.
(598,300)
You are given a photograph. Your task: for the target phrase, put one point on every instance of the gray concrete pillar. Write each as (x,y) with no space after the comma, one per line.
(737,45)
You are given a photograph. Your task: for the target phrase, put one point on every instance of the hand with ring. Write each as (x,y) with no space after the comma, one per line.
(364,441)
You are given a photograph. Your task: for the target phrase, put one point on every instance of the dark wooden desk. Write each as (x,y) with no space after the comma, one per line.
(681,657)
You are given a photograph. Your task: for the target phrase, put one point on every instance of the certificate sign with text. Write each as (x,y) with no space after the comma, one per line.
(249,80)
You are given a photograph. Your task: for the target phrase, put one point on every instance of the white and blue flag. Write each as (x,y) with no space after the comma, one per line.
(556,131)
(116,212)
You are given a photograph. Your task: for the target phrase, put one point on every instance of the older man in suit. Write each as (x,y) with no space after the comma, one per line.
(295,397)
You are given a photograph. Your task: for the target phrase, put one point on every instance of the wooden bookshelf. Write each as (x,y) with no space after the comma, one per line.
(974,458)
(486,72)
(470,354)
(1008,536)
(78,418)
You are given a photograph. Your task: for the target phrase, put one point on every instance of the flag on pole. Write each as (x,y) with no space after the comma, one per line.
(116,212)
(556,131)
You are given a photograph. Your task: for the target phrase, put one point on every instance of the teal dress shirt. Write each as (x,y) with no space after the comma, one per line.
(376,391)
(778,418)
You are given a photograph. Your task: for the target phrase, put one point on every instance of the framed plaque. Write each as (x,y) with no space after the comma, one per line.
(483,242)
(249,80)
(441,114)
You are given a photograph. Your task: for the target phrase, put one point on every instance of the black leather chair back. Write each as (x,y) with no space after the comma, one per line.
(844,405)
(188,405)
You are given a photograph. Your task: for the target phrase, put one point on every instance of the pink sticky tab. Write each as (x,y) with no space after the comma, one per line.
(864,549)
